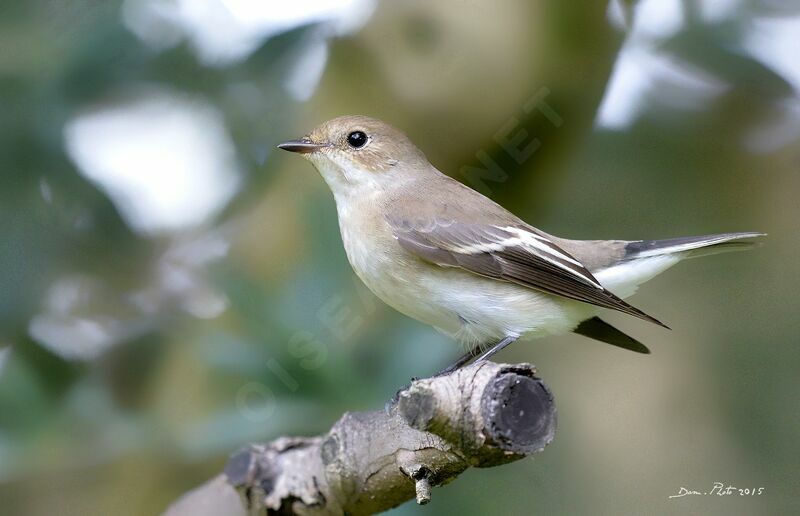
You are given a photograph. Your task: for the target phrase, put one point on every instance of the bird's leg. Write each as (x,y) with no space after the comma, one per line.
(471,354)
(461,362)
(497,347)
(458,364)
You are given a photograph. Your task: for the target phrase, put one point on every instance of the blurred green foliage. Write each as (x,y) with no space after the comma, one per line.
(160,407)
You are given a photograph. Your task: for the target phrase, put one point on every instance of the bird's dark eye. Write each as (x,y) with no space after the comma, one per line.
(357,139)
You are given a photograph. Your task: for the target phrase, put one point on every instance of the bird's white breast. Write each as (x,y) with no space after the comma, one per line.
(470,308)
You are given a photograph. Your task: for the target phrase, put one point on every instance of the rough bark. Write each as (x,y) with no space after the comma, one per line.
(482,415)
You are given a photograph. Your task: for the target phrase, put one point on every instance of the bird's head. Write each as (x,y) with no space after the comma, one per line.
(353,152)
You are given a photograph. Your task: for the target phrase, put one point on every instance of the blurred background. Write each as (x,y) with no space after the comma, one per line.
(172,287)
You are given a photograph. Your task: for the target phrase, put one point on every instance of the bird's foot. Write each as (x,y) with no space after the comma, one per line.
(396,396)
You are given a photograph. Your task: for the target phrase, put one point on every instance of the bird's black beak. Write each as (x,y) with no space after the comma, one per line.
(302,146)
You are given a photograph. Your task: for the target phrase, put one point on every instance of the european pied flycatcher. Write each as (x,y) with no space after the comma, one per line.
(446,255)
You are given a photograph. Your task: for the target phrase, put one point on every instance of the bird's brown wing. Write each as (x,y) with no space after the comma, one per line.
(514,253)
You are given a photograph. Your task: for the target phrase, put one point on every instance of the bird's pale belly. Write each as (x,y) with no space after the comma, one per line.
(470,308)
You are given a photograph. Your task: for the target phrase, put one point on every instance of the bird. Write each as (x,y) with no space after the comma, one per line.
(450,257)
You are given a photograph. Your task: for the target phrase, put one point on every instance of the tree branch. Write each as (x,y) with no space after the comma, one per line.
(482,415)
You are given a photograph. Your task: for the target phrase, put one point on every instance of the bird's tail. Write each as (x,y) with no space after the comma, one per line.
(644,259)
(690,247)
